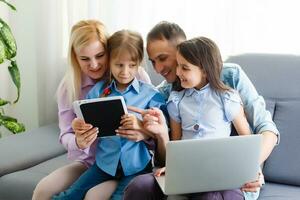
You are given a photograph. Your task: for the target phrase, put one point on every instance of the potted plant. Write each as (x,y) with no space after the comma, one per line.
(8,52)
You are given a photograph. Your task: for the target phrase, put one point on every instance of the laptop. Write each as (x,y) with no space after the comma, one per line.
(210,164)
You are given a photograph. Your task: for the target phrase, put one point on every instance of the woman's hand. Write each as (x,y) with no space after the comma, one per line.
(85,134)
(160,171)
(255,185)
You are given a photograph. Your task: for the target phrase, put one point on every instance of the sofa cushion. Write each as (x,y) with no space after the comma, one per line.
(270,106)
(273,191)
(30,148)
(283,165)
(24,181)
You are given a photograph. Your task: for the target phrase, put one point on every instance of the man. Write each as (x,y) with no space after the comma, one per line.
(161,47)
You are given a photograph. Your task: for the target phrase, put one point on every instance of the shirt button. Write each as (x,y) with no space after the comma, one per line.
(196,127)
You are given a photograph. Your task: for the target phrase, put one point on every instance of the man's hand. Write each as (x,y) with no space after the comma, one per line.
(160,171)
(255,185)
(85,134)
(153,120)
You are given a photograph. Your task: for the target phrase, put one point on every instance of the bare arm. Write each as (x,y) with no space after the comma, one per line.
(176,132)
(241,124)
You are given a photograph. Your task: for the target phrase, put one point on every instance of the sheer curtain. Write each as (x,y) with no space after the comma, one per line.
(42,29)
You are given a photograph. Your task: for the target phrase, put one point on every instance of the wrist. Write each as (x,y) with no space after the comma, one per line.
(163,137)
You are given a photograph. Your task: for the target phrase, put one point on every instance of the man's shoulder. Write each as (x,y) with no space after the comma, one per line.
(148,88)
(230,68)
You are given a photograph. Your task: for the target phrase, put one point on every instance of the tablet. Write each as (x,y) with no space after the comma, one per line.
(104,113)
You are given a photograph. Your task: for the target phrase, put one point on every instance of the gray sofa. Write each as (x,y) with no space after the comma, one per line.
(26,158)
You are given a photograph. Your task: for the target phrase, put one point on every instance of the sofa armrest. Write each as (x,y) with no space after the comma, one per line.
(30,148)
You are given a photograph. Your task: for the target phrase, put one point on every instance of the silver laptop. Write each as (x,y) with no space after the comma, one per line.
(213,164)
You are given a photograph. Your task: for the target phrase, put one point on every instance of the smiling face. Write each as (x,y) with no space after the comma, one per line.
(92,59)
(162,54)
(191,76)
(123,69)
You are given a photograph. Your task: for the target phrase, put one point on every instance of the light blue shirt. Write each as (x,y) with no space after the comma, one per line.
(259,118)
(204,113)
(133,156)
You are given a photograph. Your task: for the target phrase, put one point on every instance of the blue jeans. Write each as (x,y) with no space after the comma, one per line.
(92,177)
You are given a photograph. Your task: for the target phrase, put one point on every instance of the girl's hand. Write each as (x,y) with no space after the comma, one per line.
(160,171)
(130,121)
(133,135)
(255,185)
(85,134)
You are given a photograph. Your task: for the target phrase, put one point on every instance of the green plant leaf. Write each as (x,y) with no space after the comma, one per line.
(3,102)
(14,127)
(10,5)
(15,75)
(7,38)
(2,51)
(8,118)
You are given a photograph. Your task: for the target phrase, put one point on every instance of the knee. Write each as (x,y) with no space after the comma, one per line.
(42,191)
(143,187)
(142,183)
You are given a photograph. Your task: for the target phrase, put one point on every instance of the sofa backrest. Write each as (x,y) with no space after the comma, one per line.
(277,79)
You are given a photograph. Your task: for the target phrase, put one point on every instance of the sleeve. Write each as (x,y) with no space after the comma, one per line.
(65,118)
(96,90)
(232,104)
(142,75)
(172,106)
(258,116)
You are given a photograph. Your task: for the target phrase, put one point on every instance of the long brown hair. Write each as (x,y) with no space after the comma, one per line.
(204,53)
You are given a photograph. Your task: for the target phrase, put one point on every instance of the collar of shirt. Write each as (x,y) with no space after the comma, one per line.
(191,91)
(134,85)
(86,81)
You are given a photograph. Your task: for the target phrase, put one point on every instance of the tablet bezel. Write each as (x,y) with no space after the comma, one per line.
(77,106)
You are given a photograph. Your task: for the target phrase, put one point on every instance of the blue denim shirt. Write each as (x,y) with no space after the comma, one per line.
(254,105)
(133,156)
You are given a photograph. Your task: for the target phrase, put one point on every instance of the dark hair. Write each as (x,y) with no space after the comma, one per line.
(166,30)
(126,41)
(204,52)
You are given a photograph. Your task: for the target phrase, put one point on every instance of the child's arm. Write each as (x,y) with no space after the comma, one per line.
(176,132)
(241,124)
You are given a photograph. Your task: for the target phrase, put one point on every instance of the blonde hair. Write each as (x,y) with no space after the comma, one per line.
(82,34)
(126,41)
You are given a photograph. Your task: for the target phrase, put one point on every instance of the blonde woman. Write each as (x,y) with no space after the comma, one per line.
(87,65)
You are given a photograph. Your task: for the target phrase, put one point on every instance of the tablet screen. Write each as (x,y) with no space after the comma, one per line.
(106,115)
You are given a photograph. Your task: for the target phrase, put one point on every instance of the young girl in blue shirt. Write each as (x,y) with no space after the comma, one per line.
(203,106)
(118,158)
